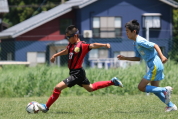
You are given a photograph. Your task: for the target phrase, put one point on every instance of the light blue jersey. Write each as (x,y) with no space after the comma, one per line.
(145,50)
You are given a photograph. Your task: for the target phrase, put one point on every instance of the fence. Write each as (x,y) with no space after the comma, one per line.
(39,52)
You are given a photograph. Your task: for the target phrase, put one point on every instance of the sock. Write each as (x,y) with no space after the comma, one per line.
(161,96)
(154,89)
(101,84)
(53,97)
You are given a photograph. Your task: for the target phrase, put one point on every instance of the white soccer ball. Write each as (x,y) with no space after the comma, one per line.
(32,107)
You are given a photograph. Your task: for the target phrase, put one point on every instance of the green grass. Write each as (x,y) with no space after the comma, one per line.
(20,81)
(90,107)
(19,85)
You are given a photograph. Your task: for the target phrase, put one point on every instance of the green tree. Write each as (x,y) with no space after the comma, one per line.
(173,53)
(20,10)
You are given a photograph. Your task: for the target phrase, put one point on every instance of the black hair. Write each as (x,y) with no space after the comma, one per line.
(133,25)
(72,29)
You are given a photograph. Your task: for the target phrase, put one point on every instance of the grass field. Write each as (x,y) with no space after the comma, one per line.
(19,85)
(91,107)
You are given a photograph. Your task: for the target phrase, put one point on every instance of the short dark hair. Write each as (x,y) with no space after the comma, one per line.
(133,25)
(72,29)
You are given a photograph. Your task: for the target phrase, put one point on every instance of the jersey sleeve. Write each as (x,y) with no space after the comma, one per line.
(146,44)
(85,47)
(137,54)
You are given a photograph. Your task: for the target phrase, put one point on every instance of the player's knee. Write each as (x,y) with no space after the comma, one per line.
(58,88)
(141,88)
(90,90)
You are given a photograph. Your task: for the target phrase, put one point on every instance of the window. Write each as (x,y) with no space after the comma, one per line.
(98,53)
(106,27)
(116,53)
(40,57)
(127,53)
(36,57)
(9,56)
(93,53)
(153,20)
(64,23)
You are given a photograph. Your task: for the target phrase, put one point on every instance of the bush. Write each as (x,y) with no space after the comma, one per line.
(21,81)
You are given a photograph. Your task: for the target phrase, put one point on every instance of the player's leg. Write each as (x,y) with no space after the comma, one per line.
(101,84)
(68,82)
(149,88)
(161,96)
(56,92)
(155,73)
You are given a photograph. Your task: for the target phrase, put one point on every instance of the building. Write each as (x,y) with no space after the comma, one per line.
(36,39)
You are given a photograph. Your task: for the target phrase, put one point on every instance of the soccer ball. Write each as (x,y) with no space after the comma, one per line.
(32,107)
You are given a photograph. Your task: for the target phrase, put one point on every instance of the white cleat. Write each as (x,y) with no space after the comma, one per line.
(167,94)
(42,107)
(168,109)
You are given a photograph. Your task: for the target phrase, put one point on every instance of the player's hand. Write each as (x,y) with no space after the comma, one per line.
(108,45)
(121,57)
(52,59)
(164,59)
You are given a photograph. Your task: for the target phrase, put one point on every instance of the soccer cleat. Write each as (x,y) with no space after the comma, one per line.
(117,82)
(167,94)
(173,108)
(43,108)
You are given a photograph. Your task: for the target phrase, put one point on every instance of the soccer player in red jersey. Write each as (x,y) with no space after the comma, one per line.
(76,51)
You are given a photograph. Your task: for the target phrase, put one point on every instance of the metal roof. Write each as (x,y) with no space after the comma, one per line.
(51,14)
(171,3)
(4,8)
(42,18)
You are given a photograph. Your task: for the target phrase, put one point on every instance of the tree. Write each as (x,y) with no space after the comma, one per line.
(21,10)
(173,54)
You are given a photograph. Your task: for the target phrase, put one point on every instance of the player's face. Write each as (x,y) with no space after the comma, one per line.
(131,35)
(72,38)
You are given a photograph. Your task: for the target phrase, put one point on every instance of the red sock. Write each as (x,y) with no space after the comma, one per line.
(53,97)
(101,84)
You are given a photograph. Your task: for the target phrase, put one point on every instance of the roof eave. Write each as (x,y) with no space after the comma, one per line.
(37,24)
(6,37)
(169,3)
(87,3)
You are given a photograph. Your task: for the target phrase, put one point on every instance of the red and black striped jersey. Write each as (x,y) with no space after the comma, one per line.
(76,54)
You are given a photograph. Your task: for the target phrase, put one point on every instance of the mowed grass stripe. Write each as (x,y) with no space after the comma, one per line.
(90,107)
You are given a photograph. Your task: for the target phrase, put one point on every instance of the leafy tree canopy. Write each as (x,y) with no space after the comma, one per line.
(21,10)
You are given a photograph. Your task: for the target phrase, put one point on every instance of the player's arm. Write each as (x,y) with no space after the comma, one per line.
(121,57)
(98,45)
(162,57)
(63,52)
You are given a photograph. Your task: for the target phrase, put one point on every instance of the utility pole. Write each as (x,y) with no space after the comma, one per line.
(1,16)
(62,1)
(147,31)
(147,37)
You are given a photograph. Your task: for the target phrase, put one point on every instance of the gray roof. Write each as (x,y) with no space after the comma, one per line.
(51,14)
(171,3)
(43,18)
(4,8)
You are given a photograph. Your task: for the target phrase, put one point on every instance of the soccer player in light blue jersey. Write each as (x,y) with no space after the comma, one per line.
(154,59)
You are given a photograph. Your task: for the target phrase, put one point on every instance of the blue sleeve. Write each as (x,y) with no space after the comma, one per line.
(146,44)
(137,54)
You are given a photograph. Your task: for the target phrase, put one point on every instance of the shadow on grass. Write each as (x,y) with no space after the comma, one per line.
(107,112)
(62,112)
(131,112)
